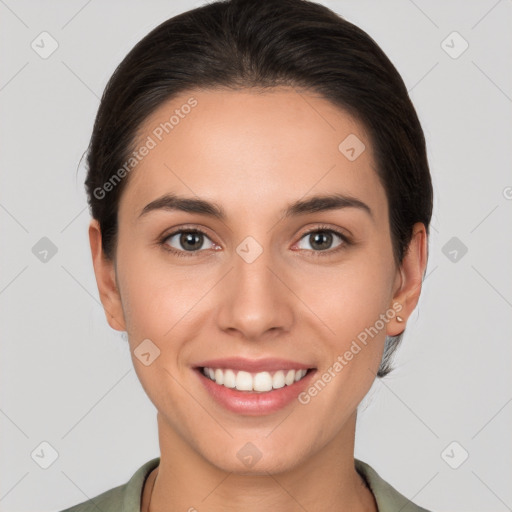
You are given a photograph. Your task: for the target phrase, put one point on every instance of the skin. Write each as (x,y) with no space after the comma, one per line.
(254,153)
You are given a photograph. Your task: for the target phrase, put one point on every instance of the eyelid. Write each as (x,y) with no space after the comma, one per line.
(185,227)
(325,227)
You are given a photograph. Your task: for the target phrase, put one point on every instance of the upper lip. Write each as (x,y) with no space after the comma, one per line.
(254,365)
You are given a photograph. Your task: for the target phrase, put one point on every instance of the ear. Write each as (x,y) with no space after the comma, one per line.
(409,279)
(105,273)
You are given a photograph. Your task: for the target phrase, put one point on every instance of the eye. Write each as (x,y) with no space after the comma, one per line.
(185,241)
(321,239)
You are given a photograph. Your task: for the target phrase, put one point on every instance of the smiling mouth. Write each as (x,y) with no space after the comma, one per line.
(255,382)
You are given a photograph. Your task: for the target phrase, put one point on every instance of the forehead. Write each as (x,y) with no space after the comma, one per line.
(251,147)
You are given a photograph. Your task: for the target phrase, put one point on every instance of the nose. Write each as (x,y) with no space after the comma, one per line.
(256,299)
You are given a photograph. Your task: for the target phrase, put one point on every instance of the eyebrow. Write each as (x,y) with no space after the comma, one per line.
(319,203)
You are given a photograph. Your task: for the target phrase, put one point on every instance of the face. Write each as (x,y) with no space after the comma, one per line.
(255,283)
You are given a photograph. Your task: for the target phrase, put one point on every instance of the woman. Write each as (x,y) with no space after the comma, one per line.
(261,201)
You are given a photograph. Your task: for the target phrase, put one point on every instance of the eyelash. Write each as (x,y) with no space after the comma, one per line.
(328,252)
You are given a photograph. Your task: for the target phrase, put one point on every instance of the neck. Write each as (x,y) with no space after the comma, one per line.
(325,481)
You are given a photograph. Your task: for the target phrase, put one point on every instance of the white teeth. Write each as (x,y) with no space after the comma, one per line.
(260,382)
(278,380)
(219,377)
(290,377)
(243,381)
(229,379)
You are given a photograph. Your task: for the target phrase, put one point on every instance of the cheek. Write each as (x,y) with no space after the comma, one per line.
(156,294)
(351,302)
(353,296)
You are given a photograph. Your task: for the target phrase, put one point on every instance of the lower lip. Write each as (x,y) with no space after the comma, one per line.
(251,402)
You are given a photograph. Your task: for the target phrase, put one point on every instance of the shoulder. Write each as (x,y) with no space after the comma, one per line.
(107,501)
(126,497)
(387,497)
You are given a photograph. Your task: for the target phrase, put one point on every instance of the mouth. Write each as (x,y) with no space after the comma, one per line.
(253,394)
(254,382)
(254,387)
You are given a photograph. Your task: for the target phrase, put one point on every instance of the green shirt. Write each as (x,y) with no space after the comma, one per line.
(127,497)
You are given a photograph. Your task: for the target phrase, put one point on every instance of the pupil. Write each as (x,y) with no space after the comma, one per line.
(188,239)
(317,239)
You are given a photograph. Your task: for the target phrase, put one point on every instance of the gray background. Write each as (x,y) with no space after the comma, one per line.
(67,379)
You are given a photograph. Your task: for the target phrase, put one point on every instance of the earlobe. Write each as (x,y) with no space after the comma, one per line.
(411,278)
(104,271)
